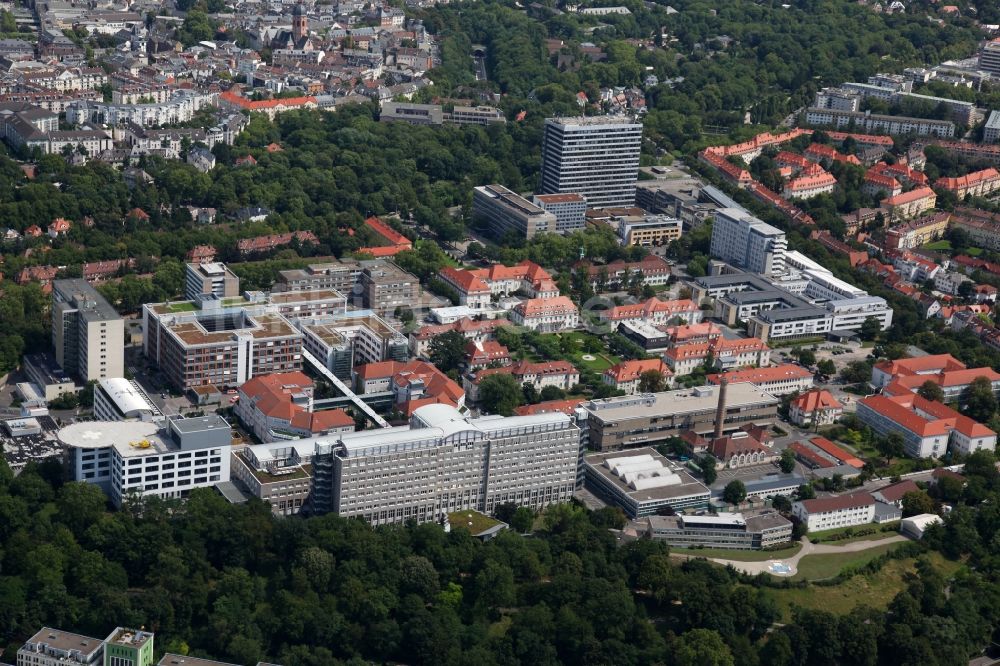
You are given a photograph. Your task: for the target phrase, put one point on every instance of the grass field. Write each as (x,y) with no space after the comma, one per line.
(602,360)
(740,555)
(874,591)
(819,567)
(824,536)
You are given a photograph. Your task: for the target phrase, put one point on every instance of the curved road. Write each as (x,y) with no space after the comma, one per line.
(808,548)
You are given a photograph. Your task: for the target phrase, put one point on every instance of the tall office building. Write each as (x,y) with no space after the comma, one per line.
(87,333)
(445,462)
(210,278)
(597,157)
(989,57)
(748,243)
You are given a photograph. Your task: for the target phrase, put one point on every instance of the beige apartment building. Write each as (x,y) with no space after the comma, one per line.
(210,278)
(87,333)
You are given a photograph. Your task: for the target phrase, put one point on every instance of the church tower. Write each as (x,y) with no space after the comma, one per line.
(300,24)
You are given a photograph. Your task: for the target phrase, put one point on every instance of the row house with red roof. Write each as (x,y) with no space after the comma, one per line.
(777,380)
(486,353)
(982,227)
(96,271)
(265,243)
(976,184)
(391,241)
(908,205)
(913,233)
(807,187)
(823,153)
(826,239)
(654,311)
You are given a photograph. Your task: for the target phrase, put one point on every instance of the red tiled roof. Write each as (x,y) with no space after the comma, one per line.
(815,460)
(390,235)
(909,197)
(627,371)
(380,370)
(762,375)
(894,492)
(920,364)
(536,307)
(810,401)
(318,422)
(844,456)
(849,501)
(923,417)
(968,180)
(244,103)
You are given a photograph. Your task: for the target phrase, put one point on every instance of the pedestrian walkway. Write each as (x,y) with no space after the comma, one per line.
(789,567)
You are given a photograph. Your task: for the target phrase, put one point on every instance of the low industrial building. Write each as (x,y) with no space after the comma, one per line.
(48,377)
(121,399)
(642,482)
(725,530)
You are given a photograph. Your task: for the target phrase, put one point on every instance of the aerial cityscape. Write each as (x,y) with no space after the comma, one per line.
(495,332)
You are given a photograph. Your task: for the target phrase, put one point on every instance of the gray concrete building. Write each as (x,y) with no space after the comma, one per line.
(385,286)
(570,210)
(724,530)
(595,156)
(640,420)
(445,462)
(87,333)
(504,211)
(54,647)
(747,242)
(643,482)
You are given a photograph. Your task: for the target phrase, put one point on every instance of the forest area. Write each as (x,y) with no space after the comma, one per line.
(235,583)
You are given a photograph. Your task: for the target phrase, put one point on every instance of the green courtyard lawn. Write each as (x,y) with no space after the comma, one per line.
(873,591)
(601,360)
(939,246)
(821,567)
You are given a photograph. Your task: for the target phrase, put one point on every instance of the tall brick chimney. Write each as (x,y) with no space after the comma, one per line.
(720,410)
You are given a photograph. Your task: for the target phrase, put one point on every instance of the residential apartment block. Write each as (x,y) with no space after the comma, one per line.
(654,311)
(595,156)
(908,204)
(982,227)
(879,124)
(87,333)
(914,233)
(444,462)
(649,230)
(977,184)
(506,212)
